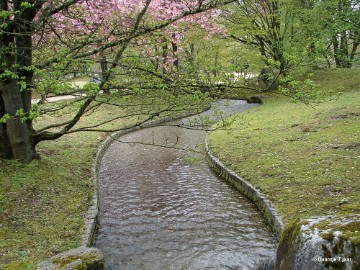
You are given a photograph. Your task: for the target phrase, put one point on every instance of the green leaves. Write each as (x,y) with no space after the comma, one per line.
(25,5)
(34,112)
(7,74)
(4,14)
(4,118)
(91,89)
(22,115)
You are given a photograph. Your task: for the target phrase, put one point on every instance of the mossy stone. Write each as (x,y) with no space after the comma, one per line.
(82,258)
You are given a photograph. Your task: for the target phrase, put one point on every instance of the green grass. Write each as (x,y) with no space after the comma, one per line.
(43,203)
(305,159)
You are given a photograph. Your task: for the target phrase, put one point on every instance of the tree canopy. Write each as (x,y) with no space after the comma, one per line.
(183,46)
(295,33)
(44,41)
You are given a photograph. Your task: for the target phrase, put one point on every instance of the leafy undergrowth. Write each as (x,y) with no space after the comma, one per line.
(305,159)
(43,203)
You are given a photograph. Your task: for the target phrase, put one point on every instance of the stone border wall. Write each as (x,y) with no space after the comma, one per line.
(263,204)
(92,216)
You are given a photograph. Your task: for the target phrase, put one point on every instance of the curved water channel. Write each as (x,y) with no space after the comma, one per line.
(161,207)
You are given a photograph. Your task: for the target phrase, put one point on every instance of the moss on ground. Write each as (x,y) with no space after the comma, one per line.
(305,159)
(43,203)
(83,261)
(349,231)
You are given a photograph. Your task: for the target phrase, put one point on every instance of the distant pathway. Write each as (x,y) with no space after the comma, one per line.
(163,208)
(58,98)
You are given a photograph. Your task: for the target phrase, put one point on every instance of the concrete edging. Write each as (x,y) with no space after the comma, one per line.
(263,204)
(93,213)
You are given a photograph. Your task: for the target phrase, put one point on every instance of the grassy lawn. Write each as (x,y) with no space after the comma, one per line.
(305,159)
(43,204)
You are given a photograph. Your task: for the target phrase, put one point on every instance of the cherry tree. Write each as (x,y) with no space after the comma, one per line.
(47,38)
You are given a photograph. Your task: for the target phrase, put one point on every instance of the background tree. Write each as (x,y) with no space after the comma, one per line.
(297,34)
(262,24)
(341,22)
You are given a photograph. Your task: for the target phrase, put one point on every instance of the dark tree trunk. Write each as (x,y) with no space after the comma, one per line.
(5,147)
(216,63)
(356,42)
(164,47)
(341,55)
(191,55)
(335,43)
(24,60)
(104,68)
(16,133)
(175,51)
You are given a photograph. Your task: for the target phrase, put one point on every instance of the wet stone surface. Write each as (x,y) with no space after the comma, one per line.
(163,208)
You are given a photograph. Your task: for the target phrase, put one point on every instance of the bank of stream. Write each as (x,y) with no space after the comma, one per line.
(161,207)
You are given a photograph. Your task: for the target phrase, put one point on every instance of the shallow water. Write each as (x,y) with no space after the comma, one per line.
(163,208)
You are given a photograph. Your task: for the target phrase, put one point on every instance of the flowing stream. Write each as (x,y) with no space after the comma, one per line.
(161,207)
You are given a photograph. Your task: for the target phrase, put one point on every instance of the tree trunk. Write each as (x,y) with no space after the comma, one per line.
(344,49)
(356,42)
(24,60)
(16,131)
(340,47)
(216,63)
(164,47)
(104,68)
(175,51)
(335,44)
(5,147)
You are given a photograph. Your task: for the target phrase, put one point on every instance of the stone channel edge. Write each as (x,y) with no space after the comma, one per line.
(263,204)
